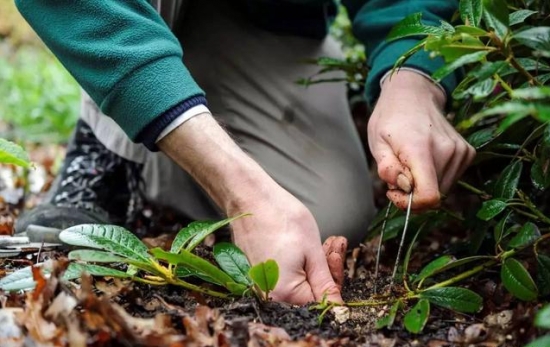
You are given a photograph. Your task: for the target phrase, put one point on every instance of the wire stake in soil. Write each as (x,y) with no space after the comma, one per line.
(382,231)
(408,215)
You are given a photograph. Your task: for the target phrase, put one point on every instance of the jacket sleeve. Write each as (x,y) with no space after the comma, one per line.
(373,20)
(124,56)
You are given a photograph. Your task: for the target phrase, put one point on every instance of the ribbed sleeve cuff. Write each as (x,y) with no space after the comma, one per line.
(385,57)
(148,136)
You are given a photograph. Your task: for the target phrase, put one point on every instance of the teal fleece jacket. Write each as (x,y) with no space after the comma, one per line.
(126,58)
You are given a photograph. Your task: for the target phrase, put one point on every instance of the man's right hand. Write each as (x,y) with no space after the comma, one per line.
(280,228)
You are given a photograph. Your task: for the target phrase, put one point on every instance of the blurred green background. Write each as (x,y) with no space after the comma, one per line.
(39,100)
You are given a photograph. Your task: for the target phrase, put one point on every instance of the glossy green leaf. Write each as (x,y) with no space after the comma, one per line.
(110,238)
(389,319)
(98,270)
(479,90)
(527,64)
(540,177)
(445,70)
(490,209)
(496,16)
(536,38)
(21,279)
(465,29)
(481,137)
(195,264)
(417,317)
(461,262)
(182,271)
(471,12)
(543,274)
(517,280)
(433,267)
(543,341)
(192,235)
(541,92)
(233,261)
(454,298)
(526,236)
(11,153)
(93,256)
(236,288)
(488,69)
(507,182)
(500,227)
(265,275)
(520,16)
(413,26)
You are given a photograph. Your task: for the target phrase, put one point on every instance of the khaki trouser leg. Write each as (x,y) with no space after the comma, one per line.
(303,137)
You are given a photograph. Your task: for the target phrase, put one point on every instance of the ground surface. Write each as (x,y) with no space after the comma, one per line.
(111,312)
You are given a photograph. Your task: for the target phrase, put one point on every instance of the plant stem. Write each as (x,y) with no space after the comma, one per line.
(504,85)
(187,285)
(531,78)
(472,189)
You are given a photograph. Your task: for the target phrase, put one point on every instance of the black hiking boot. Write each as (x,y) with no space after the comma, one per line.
(94,186)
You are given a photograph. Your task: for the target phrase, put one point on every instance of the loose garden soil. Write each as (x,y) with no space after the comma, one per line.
(112,312)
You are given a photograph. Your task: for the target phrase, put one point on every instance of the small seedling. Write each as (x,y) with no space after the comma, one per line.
(110,244)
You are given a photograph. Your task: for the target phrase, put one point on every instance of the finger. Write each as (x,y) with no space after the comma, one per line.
(320,278)
(389,166)
(426,184)
(328,244)
(465,155)
(336,255)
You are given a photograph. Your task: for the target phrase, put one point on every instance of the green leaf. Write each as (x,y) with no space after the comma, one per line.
(517,280)
(481,137)
(433,266)
(499,233)
(543,274)
(520,16)
(265,275)
(97,270)
(527,64)
(490,209)
(540,177)
(454,298)
(417,317)
(460,262)
(412,26)
(233,261)
(479,90)
(540,342)
(445,70)
(542,319)
(536,38)
(21,279)
(507,182)
(194,263)
(510,120)
(532,93)
(471,11)
(109,238)
(192,235)
(236,288)
(465,29)
(488,69)
(496,16)
(526,236)
(389,319)
(93,256)
(11,153)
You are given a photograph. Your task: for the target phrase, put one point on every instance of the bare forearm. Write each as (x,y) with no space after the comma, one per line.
(228,175)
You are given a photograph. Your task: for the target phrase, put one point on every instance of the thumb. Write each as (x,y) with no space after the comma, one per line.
(320,279)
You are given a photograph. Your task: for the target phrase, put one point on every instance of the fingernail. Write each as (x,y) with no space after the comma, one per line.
(403,183)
